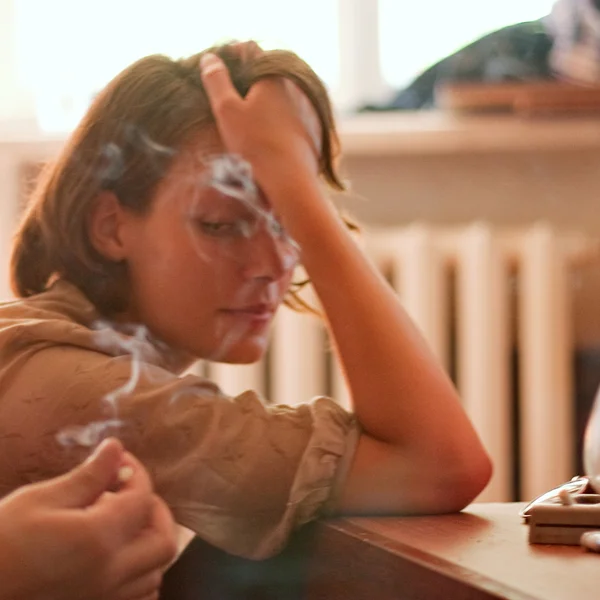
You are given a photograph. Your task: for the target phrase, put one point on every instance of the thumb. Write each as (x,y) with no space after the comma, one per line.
(217,82)
(82,486)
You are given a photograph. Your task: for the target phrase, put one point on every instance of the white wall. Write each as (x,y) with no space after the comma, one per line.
(16,103)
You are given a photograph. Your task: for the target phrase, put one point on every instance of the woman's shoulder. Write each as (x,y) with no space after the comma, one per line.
(61,301)
(57,316)
(63,316)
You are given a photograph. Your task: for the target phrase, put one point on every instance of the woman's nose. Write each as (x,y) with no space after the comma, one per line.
(271,254)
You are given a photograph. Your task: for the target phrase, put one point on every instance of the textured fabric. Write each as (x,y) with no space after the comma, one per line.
(240,474)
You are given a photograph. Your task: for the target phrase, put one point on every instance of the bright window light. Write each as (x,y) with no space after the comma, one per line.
(68,49)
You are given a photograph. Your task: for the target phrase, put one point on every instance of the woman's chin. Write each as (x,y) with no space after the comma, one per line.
(243,353)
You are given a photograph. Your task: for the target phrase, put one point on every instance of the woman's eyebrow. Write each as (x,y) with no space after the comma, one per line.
(215,199)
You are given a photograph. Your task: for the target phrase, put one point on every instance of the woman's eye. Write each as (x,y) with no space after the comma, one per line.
(276,227)
(239,227)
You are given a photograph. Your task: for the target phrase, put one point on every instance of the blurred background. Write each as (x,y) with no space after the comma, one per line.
(56,54)
(471,143)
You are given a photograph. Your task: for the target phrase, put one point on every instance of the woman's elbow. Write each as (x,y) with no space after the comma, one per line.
(467,478)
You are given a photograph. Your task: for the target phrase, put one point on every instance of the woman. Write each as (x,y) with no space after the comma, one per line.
(73,538)
(182,203)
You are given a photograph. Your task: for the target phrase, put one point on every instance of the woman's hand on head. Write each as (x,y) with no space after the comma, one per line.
(72,537)
(274,128)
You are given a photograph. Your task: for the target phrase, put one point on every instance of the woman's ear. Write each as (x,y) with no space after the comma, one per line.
(105,224)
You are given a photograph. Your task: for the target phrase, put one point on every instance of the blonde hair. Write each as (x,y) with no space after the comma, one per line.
(125,144)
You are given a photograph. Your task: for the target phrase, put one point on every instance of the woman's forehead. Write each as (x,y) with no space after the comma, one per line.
(196,153)
(192,160)
(204,170)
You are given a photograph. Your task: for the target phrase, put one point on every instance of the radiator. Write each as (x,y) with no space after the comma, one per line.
(495,308)
(494,305)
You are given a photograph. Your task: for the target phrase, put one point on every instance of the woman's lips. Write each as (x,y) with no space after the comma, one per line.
(259,314)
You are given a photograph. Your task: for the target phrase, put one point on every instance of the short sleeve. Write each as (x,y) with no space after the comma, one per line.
(240,474)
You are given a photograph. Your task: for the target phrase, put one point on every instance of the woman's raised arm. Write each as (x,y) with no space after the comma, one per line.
(419,453)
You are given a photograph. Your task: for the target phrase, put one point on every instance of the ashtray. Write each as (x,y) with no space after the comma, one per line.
(564,514)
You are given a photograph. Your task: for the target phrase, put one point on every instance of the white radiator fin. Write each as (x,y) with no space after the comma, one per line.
(546,366)
(483,350)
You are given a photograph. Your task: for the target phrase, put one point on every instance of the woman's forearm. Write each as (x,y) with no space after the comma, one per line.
(419,446)
(399,390)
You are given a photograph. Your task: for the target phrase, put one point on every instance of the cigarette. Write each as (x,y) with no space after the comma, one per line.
(125,474)
(566,498)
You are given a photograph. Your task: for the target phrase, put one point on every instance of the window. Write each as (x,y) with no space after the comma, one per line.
(415,35)
(68,49)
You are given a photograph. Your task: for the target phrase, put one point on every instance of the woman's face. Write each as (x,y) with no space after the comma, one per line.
(208,270)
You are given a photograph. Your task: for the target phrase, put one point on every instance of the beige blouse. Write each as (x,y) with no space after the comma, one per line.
(240,474)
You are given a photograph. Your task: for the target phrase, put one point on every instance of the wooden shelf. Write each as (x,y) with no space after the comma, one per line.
(419,133)
(438,132)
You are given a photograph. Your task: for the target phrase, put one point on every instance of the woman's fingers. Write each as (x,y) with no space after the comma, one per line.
(307,114)
(152,596)
(137,479)
(148,555)
(143,587)
(122,517)
(155,548)
(272,127)
(130,509)
(82,486)
(217,82)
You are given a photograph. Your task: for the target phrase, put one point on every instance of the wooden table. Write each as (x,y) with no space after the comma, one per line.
(479,554)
